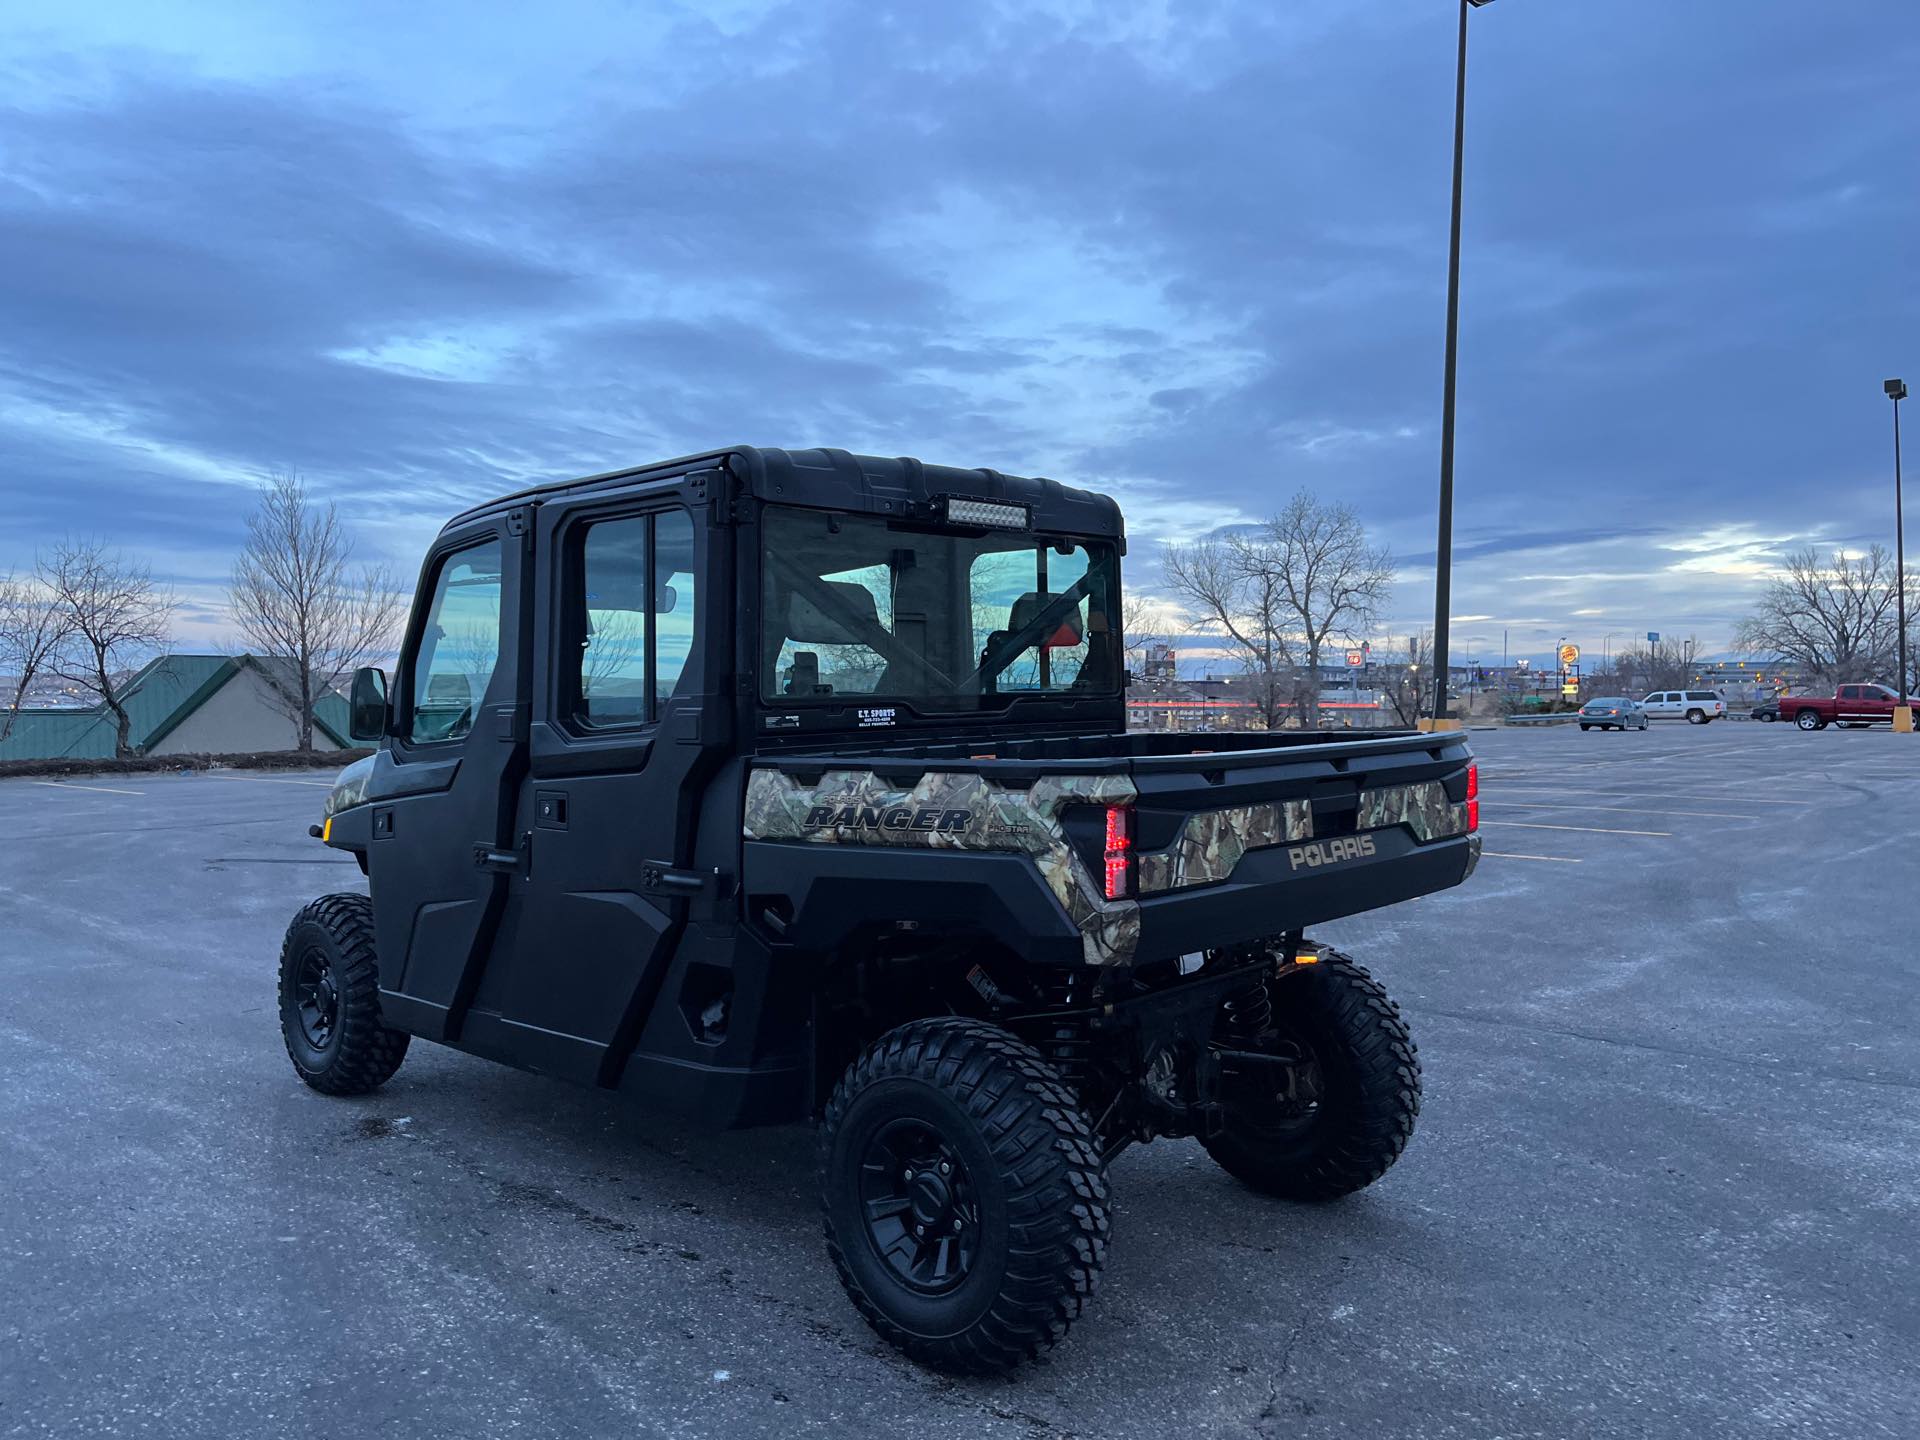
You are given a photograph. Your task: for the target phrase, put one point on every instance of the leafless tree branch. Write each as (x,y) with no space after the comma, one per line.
(1834,616)
(33,627)
(1284,591)
(113,613)
(295,597)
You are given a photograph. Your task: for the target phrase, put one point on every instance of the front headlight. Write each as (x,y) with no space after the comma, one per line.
(350,787)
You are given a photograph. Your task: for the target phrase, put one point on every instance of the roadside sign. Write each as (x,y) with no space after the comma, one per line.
(1653,637)
(1356,657)
(1569,655)
(1570,689)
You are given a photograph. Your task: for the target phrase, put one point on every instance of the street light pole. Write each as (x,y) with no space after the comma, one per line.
(1443,551)
(1902,711)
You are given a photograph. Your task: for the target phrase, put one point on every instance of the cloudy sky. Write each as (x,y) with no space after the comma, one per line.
(1192,254)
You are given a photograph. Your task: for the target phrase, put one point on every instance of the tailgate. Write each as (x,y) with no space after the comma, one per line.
(1236,847)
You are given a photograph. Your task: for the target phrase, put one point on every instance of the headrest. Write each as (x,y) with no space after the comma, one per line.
(812,624)
(1028,608)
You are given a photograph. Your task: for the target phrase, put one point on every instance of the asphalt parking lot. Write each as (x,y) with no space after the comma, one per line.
(1667,1180)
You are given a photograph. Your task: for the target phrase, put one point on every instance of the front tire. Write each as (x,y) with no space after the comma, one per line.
(965,1195)
(1349,1133)
(330,999)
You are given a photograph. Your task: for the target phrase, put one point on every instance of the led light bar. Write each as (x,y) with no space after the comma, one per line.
(986,514)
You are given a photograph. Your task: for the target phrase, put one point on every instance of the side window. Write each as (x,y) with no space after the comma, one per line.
(673,590)
(459,645)
(1849,692)
(632,589)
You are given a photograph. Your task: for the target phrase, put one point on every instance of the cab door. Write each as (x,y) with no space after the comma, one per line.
(447,779)
(1876,704)
(627,714)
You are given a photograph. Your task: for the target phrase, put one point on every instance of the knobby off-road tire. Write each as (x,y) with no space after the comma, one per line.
(1008,1187)
(330,999)
(1369,1090)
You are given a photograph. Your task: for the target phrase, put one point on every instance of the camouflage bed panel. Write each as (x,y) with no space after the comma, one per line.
(970,812)
(959,812)
(1211,843)
(1423,808)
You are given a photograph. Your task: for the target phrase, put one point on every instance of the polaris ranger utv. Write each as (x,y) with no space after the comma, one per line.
(778,786)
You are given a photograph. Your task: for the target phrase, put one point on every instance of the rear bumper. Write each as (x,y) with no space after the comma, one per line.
(1272,891)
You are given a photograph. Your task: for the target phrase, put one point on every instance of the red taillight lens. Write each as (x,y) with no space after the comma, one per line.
(1119,882)
(1473,798)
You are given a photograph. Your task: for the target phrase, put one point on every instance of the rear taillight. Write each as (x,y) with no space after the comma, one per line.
(1119,881)
(1473,798)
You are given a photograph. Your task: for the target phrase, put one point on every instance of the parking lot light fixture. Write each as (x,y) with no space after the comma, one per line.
(1902,712)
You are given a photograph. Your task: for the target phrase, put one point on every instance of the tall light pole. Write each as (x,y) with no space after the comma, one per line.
(1902,711)
(1606,648)
(1443,551)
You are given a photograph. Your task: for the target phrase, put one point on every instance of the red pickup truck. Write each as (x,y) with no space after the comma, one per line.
(1849,705)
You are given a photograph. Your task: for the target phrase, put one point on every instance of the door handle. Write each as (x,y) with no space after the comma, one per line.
(656,876)
(487,856)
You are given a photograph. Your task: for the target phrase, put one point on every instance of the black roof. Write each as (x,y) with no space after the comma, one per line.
(841,480)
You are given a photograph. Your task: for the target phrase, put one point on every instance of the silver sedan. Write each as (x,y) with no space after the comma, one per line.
(1613,713)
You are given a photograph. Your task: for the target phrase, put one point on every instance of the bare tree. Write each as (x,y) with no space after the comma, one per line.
(1282,591)
(1833,617)
(294,596)
(1654,665)
(1408,680)
(33,626)
(112,613)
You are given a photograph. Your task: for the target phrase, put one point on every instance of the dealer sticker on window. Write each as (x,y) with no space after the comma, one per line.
(881,716)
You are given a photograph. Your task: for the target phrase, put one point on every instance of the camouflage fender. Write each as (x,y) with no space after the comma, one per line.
(958,812)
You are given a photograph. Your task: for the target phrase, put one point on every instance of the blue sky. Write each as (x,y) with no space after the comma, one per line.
(1193,255)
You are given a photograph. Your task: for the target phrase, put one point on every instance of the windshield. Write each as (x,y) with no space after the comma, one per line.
(857,605)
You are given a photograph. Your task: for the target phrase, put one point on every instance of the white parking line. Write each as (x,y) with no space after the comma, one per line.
(268,780)
(1585,829)
(1552,859)
(98,789)
(1490,792)
(1627,809)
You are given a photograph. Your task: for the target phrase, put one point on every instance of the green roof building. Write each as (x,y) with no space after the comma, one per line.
(183,705)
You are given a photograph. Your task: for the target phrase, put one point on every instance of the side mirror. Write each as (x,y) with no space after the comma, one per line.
(367,704)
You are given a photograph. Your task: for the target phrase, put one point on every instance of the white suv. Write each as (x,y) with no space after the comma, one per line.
(1696,707)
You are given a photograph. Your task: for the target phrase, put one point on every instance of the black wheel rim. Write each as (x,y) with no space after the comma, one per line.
(920,1207)
(317,1000)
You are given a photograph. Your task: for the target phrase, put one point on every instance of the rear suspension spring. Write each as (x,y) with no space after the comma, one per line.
(1066,1039)
(1247,1014)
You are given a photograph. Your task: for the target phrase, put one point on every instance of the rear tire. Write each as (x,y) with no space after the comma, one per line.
(1585,728)
(1696,717)
(330,999)
(1369,1097)
(1809,720)
(965,1195)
